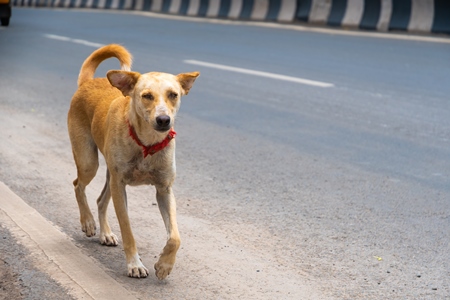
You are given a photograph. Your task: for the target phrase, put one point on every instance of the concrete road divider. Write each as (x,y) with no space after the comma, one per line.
(422,16)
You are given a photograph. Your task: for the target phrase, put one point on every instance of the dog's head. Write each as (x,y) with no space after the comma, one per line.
(155,96)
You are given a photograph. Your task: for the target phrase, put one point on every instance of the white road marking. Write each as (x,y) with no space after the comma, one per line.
(260,73)
(76,41)
(210,65)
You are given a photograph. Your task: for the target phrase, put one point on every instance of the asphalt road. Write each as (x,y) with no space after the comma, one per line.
(285,190)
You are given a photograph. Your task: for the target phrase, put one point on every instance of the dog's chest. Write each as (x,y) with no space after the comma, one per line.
(139,171)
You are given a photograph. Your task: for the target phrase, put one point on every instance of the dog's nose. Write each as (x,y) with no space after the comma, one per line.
(163,121)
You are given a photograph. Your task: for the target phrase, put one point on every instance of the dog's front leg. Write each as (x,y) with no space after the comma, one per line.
(167,207)
(134,264)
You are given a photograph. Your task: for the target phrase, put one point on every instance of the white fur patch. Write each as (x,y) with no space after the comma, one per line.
(161,109)
(126,68)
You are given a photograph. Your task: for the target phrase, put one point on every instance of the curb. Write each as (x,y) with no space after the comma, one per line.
(55,253)
(423,16)
(419,16)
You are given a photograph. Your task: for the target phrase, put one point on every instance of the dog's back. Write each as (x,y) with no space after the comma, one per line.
(94,92)
(88,105)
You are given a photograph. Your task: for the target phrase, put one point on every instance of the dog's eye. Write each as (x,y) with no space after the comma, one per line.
(173,96)
(148,96)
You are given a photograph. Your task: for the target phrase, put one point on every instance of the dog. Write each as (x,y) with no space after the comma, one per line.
(129,118)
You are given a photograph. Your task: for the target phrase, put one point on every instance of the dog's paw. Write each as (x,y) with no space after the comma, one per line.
(109,239)
(136,269)
(88,227)
(162,270)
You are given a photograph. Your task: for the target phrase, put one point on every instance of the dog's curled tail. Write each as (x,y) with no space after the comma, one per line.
(93,61)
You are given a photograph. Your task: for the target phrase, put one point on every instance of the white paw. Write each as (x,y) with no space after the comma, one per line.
(136,269)
(108,239)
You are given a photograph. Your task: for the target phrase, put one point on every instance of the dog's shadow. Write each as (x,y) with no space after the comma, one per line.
(111,259)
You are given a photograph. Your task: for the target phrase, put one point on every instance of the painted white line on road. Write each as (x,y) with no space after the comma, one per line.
(76,41)
(54,252)
(260,73)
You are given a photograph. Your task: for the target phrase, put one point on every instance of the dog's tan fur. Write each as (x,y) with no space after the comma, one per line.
(98,120)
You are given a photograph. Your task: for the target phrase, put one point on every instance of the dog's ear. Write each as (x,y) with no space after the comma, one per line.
(186,81)
(123,80)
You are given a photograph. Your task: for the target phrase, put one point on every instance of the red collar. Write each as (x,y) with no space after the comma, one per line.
(152,149)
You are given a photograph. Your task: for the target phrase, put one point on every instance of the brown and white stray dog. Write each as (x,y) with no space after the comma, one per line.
(129,117)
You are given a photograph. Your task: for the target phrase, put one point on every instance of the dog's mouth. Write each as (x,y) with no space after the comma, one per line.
(162,128)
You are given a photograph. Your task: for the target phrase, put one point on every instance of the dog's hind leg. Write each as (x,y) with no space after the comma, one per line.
(86,158)
(106,236)
(167,207)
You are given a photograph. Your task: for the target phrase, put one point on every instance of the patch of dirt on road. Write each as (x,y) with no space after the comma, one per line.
(19,278)
(9,288)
